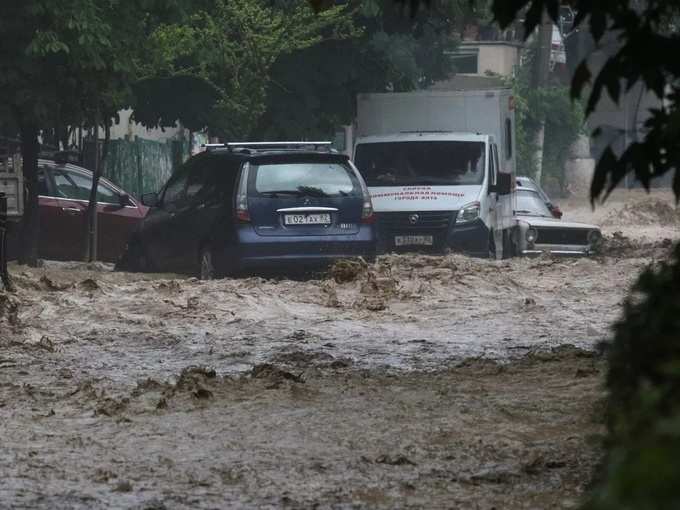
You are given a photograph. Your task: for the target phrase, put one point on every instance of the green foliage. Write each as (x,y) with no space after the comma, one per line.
(643,417)
(647,37)
(313,90)
(234,45)
(564,120)
(60,60)
(642,466)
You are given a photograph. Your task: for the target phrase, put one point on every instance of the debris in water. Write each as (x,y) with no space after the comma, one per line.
(345,271)
(123,486)
(50,285)
(269,371)
(9,308)
(45,343)
(399,460)
(89,285)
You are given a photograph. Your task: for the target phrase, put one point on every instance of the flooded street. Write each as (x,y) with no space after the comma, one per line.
(415,382)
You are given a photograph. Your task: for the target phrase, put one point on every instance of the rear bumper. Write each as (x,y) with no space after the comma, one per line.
(253,250)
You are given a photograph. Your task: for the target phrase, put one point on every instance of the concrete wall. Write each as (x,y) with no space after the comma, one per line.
(498,57)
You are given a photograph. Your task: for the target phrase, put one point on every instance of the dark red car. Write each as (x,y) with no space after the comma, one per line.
(64,193)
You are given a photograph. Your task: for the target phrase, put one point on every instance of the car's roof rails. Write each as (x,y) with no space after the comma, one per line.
(250,147)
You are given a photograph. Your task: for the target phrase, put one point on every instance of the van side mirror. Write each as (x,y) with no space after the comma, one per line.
(503,184)
(150,199)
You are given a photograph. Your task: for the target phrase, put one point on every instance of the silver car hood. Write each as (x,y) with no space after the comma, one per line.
(540,221)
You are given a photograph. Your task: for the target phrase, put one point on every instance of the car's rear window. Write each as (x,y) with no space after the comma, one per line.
(322,178)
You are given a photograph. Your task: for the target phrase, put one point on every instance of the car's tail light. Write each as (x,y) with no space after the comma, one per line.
(367,213)
(241,202)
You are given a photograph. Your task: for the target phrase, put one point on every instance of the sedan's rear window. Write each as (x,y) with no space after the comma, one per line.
(323,179)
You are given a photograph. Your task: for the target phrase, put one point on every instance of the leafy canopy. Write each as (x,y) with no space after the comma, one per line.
(313,90)
(648,40)
(234,45)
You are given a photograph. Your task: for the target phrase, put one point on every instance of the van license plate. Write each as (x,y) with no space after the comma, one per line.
(413,240)
(307,219)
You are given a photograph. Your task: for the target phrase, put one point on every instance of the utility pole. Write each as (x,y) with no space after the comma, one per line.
(540,80)
(91,221)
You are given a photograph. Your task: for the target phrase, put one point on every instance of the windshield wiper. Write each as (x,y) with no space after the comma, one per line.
(531,213)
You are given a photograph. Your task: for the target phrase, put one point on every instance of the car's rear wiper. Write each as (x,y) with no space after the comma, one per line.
(276,193)
(312,191)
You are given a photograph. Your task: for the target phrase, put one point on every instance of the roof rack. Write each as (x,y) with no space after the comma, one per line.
(269,146)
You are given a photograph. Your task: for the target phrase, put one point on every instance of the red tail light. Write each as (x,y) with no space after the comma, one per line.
(368,220)
(241,200)
(243,216)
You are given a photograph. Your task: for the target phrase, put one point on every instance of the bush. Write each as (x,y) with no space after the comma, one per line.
(642,465)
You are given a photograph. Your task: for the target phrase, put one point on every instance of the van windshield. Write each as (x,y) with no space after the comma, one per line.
(442,163)
(310,179)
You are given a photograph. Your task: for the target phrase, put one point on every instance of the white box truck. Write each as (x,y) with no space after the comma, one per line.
(440,168)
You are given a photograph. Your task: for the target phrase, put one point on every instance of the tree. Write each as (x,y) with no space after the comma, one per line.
(233,45)
(641,468)
(60,62)
(647,36)
(563,123)
(313,90)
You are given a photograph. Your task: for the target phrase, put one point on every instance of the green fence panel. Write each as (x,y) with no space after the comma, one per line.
(143,166)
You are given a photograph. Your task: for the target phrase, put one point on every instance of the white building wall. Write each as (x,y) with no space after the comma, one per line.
(127,128)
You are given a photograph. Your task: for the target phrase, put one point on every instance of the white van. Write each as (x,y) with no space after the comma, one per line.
(439,189)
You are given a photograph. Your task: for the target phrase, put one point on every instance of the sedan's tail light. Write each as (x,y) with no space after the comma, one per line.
(241,201)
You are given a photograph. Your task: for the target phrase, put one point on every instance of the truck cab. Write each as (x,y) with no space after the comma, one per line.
(438,191)
(439,165)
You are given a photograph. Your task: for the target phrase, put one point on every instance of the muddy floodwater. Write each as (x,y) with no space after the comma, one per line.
(415,382)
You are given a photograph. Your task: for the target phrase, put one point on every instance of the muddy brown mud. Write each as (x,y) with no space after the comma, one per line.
(415,382)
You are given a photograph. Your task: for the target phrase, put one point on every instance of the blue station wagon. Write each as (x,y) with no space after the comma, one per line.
(255,205)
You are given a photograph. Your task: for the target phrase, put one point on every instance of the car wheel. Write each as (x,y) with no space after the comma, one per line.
(206,269)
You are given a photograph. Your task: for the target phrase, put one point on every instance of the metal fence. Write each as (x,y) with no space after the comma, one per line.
(140,166)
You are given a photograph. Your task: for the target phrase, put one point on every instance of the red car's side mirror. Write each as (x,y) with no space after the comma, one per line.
(124,200)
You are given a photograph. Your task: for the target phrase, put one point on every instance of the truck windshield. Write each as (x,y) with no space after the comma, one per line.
(442,163)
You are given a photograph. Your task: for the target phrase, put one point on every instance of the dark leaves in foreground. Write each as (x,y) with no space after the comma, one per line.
(647,38)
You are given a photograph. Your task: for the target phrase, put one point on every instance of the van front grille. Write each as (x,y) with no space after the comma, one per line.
(432,221)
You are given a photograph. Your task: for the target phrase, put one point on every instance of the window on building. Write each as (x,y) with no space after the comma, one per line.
(466,61)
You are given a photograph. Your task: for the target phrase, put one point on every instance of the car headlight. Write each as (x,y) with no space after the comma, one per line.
(594,237)
(468,213)
(531,235)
